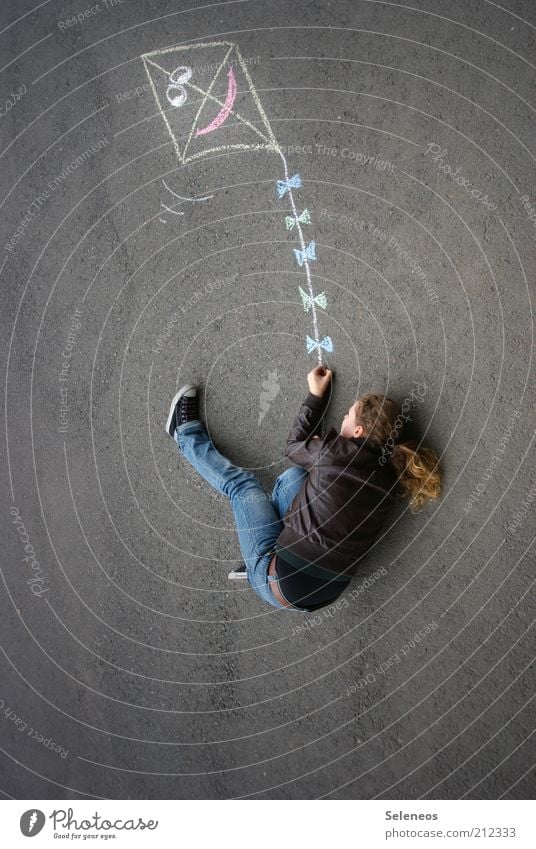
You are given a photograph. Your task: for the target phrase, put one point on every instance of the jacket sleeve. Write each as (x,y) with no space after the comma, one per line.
(301,448)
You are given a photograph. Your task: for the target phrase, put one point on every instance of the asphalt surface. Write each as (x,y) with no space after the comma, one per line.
(131,667)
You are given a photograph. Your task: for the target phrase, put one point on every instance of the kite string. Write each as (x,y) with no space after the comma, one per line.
(305,261)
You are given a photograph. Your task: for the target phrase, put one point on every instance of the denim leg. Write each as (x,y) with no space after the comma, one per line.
(257,521)
(286,487)
(196,445)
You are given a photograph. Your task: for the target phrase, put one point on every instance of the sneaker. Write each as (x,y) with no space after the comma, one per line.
(184,408)
(238,574)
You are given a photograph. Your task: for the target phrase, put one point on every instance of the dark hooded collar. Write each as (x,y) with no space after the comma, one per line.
(359,440)
(363,440)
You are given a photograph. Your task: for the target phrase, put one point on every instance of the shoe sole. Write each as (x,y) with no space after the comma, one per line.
(234,577)
(174,403)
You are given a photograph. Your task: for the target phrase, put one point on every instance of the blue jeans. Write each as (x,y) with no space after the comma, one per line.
(257,515)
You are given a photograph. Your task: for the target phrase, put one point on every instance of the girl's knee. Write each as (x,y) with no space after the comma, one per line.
(238,480)
(291,474)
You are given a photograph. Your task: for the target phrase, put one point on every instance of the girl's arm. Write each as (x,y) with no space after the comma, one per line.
(302,448)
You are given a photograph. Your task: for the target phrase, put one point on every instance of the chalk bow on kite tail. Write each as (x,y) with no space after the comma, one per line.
(304,255)
(201,130)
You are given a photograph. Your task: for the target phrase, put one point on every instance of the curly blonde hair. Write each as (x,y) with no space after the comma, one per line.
(418,469)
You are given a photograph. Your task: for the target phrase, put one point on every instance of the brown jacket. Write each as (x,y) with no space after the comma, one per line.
(340,509)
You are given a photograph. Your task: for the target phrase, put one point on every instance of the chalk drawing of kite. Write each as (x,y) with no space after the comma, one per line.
(204,120)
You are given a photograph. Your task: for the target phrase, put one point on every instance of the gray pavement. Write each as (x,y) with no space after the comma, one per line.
(131,667)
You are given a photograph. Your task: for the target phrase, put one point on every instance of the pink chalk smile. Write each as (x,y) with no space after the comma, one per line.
(225,111)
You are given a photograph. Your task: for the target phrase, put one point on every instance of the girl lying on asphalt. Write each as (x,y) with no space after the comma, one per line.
(302,544)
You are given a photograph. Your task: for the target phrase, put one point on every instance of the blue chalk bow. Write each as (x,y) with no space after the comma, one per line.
(308,253)
(325,343)
(283,186)
(317,299)
(304,218)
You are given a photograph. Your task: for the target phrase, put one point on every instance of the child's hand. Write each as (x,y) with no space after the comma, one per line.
(318,380)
